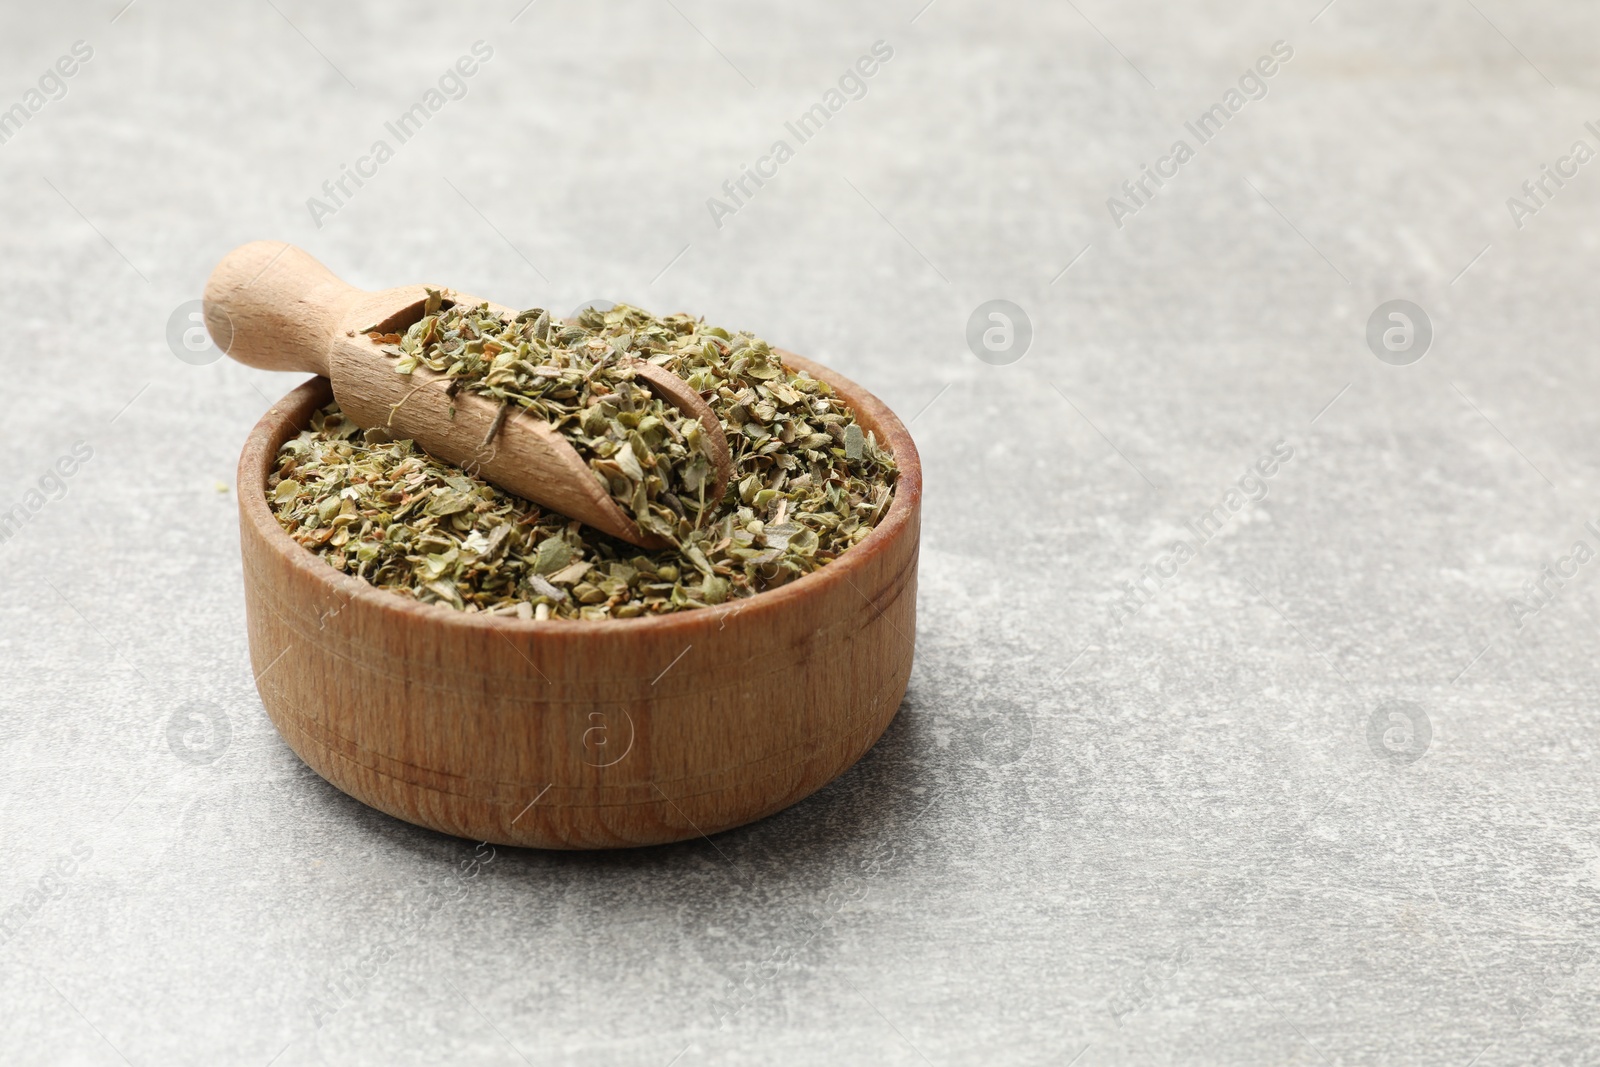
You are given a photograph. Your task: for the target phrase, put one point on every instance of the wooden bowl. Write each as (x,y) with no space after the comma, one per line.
(572,733)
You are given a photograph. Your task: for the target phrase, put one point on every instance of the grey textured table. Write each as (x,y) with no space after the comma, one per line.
(1323,792)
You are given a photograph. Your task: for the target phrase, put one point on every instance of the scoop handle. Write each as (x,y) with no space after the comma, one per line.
(271,305)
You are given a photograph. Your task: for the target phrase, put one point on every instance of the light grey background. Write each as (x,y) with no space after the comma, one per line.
(1158,839)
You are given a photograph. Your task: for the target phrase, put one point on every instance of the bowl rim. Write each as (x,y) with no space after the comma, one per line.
(287,416)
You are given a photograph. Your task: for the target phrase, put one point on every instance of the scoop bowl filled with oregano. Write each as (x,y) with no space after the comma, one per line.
(719,621)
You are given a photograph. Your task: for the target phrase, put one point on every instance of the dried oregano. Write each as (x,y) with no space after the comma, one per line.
(652,458)
(807,481)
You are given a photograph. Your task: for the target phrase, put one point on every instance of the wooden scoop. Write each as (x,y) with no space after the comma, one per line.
(271,305)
